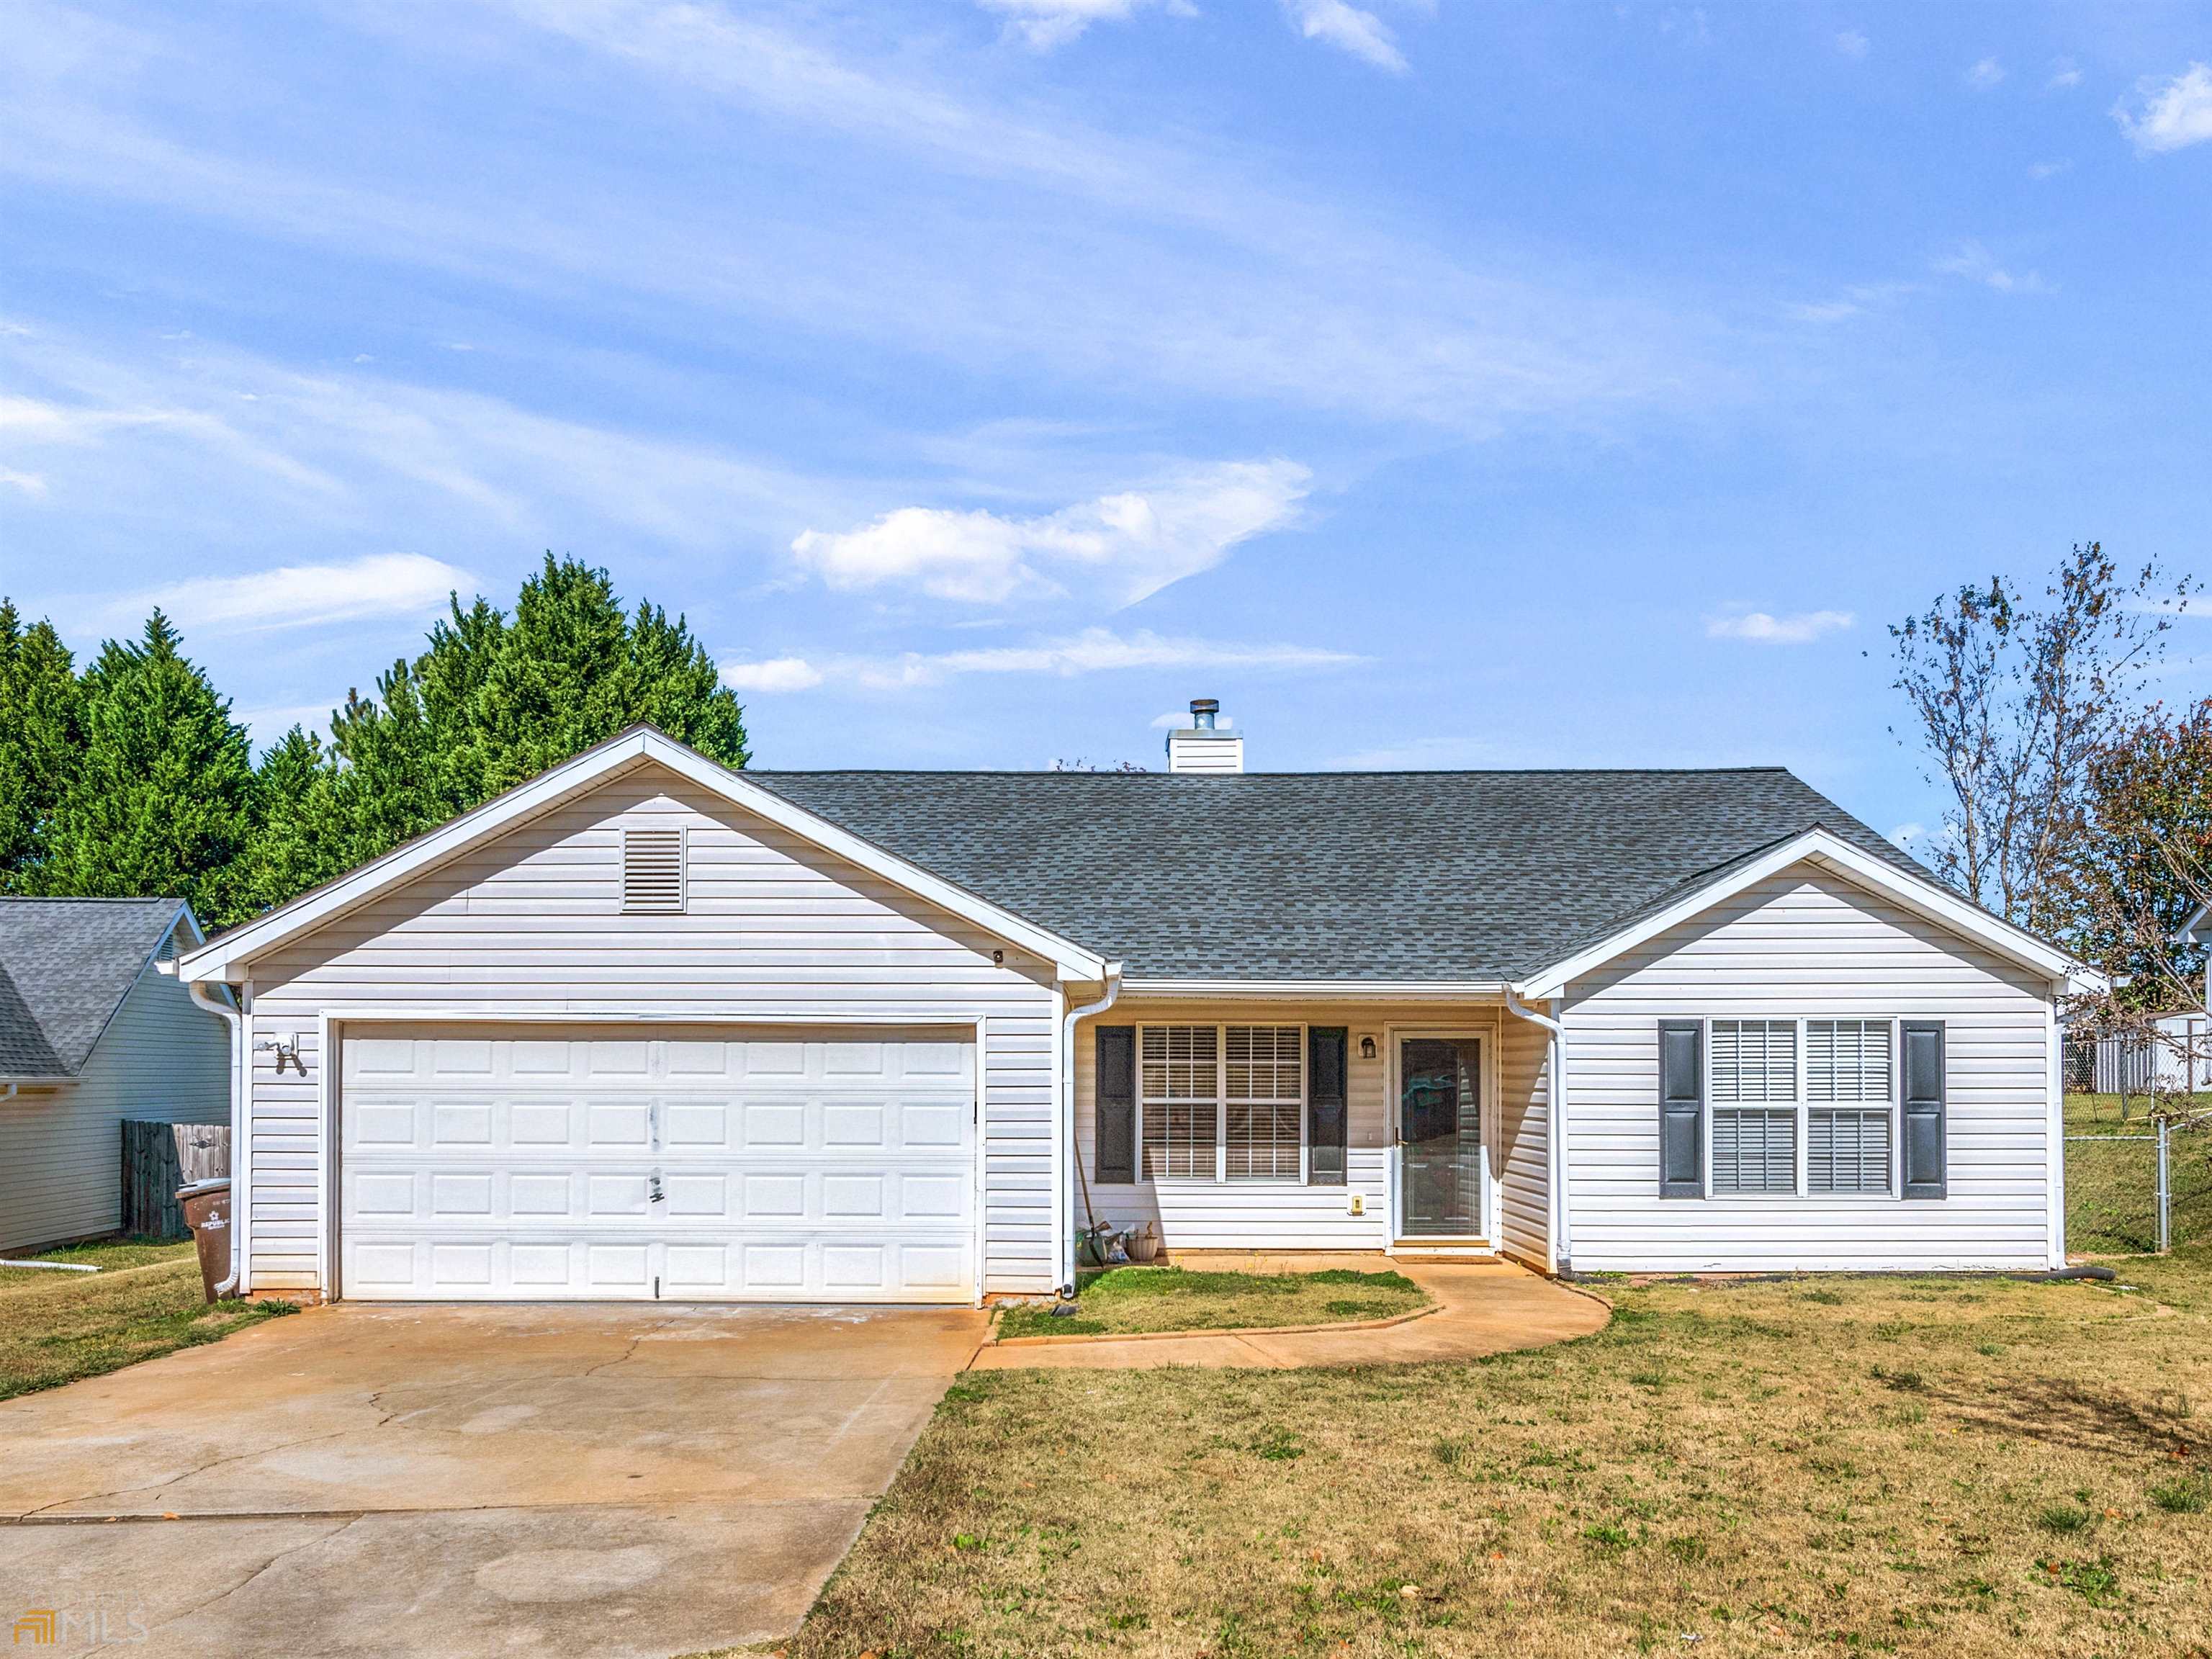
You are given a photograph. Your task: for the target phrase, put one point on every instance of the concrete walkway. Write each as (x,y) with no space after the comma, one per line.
(1487,1307)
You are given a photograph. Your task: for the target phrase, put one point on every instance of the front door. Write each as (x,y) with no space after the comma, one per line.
(1440,1162)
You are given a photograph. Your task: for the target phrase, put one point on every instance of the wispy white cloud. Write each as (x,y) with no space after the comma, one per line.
(1985,74)
(305,595)
(774,674)
(1794,628)
(203,429)
(1093,651)
(1045,24)
(1906,834)
(2062,76)
(2039,171)
(1855,302)
(1151,265)
(1348,28)
(29,483)
(1126,546)
(2170,114)
(1975,263)
(1852,44)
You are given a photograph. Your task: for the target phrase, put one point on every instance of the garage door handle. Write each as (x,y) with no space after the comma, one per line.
(653,1190)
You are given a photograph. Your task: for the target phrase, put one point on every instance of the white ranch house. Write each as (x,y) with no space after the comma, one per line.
(645,1027)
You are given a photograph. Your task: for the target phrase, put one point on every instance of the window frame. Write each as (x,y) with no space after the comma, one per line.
(1803,1106)
(1221,1177)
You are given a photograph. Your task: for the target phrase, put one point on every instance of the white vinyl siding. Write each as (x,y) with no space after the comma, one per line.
(61,1149)
(774,929)
(1806,943)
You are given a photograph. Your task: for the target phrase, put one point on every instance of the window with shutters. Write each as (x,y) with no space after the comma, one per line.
(1800,1107)
(1221,1103)
(653,872)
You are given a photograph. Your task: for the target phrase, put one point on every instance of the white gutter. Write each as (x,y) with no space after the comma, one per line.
(1062,1208)
(240,1146)
(1557,1246)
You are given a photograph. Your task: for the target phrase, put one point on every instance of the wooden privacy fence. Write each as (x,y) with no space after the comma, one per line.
(160,1157)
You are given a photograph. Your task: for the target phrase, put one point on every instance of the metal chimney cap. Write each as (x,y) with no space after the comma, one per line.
(1202,711)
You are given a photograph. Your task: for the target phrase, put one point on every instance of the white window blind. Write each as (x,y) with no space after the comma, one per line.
(1179,1071)
(1266,1092)
(1847,1151)
(652,870)
(1755,1150)
(1847,1059)
(1754,1059)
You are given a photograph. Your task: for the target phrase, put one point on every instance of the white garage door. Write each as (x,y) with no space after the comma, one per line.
(490,1163)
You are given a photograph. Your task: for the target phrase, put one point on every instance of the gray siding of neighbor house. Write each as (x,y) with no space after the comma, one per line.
(530,923)
(61,1149)
(1283,1215)
(1806,943)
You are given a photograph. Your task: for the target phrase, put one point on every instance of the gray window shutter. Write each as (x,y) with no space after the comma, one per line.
(1326,1112)
(1681,1109)
(1924,1133)
(1116,1084)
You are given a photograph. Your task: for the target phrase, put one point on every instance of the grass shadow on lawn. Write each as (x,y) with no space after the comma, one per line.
(1125,1301)
(1953,1465)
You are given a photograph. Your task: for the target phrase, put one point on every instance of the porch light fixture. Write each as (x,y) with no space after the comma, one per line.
(1367,1048)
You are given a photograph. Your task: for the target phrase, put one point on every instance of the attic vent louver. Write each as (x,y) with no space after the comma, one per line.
(652,871)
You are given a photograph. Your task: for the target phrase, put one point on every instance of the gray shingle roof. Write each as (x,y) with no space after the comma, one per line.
(64,967)
(1332,875)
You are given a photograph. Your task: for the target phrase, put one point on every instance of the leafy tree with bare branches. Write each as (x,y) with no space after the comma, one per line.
(2012,696)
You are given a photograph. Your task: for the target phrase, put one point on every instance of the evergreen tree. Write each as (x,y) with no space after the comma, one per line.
(41,732)
(303,833)
(494,702)
(161,801)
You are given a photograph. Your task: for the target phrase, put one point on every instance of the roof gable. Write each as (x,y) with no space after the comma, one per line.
(65,966)
(226,956)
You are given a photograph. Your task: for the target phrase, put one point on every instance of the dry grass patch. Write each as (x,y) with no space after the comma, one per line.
(1911,1466)
(57,1327)
(1124,1301)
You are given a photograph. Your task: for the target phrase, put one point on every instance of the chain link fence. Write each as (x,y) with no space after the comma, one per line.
(2133,1183)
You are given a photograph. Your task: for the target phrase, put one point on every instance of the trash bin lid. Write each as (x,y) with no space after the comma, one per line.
(194,1189)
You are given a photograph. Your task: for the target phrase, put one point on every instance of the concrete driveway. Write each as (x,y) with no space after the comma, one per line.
(585,1479)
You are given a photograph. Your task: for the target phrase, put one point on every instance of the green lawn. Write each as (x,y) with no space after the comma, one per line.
(1935,1466)
(56,1328)
(1122,1301)
(2111,1208)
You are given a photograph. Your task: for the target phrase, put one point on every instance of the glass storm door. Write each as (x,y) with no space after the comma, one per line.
(1440,1162)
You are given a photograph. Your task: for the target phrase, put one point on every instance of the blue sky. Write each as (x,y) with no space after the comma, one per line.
(1451,384)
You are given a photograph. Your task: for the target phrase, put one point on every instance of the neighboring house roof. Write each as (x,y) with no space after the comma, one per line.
(1332,876)
(65,966)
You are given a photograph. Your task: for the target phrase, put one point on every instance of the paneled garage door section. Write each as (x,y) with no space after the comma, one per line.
(506,1164)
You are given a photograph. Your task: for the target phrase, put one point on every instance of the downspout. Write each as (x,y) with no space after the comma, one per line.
(1060,1205)
(240,1150)
(1557,1247)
